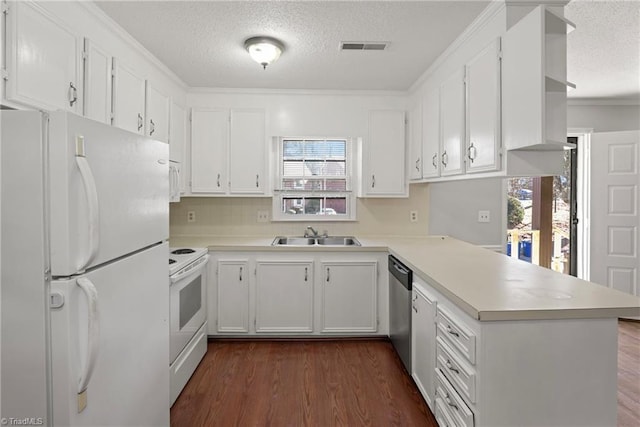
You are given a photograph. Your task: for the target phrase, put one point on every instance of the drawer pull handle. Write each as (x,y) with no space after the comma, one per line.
(414,308)
(452,332)
(447,399)
(451,367)
(240,275)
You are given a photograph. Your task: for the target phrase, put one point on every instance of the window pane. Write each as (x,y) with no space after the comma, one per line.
(292,206)
(335,206)
(293,149)
(293,168)
(336,185)
(335,168)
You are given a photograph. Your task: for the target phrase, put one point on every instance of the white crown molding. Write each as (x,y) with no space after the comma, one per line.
(481,20)
(603,101)
(266,91)
(128,38)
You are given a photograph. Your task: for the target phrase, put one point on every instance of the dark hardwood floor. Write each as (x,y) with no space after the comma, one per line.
(327,383)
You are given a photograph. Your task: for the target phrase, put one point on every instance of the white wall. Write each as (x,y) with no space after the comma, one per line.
(603,118)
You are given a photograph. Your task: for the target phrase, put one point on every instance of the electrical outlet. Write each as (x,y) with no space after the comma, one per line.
(263,216)
(484,216)
(413,216)
(191,216)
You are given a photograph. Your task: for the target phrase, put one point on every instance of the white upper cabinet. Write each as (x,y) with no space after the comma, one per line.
(209,144)
(416,161)
(177,133)
(534,86)
(157,114)
(228,151)
(383,171)
(43,58)
(97,83)
(247,160)
(431,134)
(128,98)
(483,110)
(452,124)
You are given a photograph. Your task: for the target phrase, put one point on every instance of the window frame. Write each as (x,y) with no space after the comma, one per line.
(279,193)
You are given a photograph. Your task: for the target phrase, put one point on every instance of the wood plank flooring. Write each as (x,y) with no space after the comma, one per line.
(331,383)
(301,383)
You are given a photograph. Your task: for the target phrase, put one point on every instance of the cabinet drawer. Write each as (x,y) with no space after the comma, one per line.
(443,416)
(461,375)
(458,409)
(457,333)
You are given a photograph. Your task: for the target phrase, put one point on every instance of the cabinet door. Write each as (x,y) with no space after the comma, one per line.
(431,134)
(97,83)
(416,162)
(157,114)
(209,144)
(43,60)
(247,152)
(177,140)
(384,172)
(233,296)
(284,296)
(128,98)
(423,344)
(452,124)
(483,110)
(349,297)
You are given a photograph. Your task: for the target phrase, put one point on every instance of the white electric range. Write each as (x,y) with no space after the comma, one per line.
(187,315)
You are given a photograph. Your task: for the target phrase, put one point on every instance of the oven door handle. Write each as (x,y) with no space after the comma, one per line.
(190,269)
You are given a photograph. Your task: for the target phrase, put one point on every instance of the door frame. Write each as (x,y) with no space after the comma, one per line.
(584,199)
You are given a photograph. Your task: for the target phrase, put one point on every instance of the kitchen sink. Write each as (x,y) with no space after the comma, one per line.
(316,241)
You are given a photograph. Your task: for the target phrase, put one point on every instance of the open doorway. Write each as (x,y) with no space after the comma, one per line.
(542,217)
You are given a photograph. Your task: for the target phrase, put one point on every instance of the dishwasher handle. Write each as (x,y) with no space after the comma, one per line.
(401,272)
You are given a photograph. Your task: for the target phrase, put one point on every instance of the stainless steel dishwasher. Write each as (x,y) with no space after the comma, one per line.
(400,286)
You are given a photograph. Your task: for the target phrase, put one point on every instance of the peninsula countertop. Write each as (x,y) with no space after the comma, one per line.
(487,285)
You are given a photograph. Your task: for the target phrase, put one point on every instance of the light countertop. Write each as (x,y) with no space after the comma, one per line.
(486,285)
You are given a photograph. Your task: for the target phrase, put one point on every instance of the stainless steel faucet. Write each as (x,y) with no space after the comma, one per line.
(312,230)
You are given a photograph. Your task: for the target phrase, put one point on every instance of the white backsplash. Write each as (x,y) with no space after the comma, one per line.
(237,216)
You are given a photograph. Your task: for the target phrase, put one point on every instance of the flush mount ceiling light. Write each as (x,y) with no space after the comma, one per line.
(264,50)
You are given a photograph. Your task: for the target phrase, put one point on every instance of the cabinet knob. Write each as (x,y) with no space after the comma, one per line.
(328,274)
(306,271)
(240,274)
(445,159)
(140,122)
(153,127)
(434,160)
(218,180)
(418,164)
(472,152)
(373,181)
(257,181)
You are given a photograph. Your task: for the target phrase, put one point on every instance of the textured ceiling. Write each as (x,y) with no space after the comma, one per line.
(603,53)
(202,41)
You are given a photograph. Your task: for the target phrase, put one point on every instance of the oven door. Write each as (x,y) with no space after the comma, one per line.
(188,304)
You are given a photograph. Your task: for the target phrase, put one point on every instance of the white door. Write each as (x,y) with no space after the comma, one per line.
(615,182)
(157,114)
(423,339)
(97,83)
(384,172)
(43,59)
(431,134)
(483,110)
(129,383)
(209,145)
(128,98)
(284,296)
(233,296)
(416,163)
(349,296)
(452,124)
(247,152)
(111,199)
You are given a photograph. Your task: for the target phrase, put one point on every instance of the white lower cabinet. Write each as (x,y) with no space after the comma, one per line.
(284,296)
(349,296)
(232,314)
(423,338)
(304,293)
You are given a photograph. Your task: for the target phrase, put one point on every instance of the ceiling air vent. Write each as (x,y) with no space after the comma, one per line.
(363,45)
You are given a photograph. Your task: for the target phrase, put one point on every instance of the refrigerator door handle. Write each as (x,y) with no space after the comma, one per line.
(93,338)
(92,199)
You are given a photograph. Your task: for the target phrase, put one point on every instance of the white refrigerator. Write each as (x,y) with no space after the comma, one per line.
(85,289)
